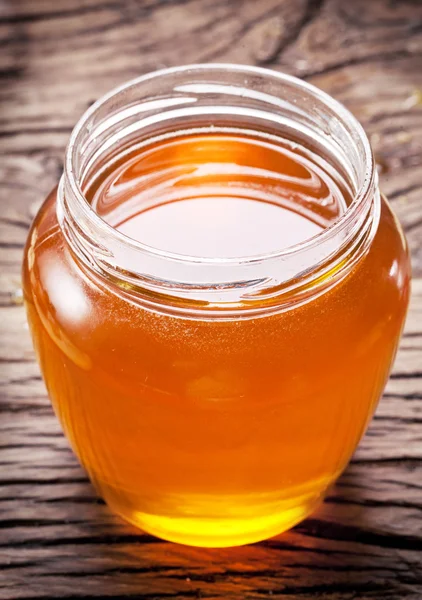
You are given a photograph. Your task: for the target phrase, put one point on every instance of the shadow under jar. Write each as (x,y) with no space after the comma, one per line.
(216,291)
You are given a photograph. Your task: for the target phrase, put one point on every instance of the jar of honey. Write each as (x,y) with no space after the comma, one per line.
(216,292)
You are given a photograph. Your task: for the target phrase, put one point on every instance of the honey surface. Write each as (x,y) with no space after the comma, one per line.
(218,196)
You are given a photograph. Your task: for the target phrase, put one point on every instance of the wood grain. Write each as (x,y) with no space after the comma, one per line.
(57,540)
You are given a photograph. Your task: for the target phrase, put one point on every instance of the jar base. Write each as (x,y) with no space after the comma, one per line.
(217,532)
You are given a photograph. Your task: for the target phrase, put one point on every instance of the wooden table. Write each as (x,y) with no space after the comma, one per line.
(57,540)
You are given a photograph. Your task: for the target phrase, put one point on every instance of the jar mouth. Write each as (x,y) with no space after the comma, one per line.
(182,100)
(365,188)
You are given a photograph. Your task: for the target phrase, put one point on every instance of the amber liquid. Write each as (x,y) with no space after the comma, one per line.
(206,431)
(218,196)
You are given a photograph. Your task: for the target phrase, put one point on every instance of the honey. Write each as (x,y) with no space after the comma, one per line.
(215,195)
(201,426)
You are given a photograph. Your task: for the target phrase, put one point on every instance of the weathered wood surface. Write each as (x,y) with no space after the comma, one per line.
(56,539)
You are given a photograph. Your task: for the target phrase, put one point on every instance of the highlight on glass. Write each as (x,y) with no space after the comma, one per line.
(216,291)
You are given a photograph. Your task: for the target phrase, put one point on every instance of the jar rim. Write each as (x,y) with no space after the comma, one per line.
(349,215)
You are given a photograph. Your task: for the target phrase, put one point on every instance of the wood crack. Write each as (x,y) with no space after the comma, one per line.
(60,14)
(360,60)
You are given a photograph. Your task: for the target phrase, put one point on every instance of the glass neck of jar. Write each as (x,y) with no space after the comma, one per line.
(218,98)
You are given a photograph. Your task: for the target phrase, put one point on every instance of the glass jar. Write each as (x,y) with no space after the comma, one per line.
(212,401)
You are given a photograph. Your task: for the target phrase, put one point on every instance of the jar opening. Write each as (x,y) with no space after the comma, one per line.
(210,100)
